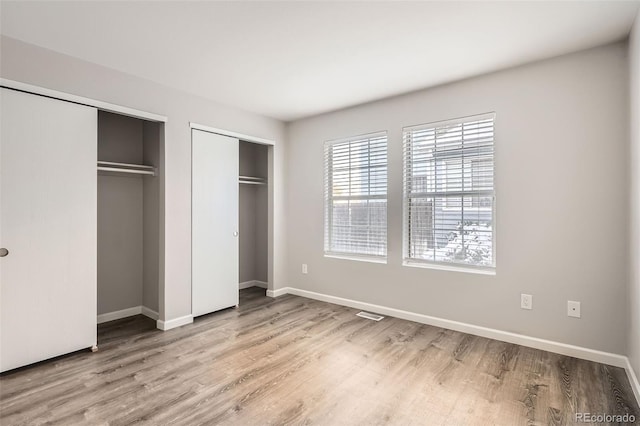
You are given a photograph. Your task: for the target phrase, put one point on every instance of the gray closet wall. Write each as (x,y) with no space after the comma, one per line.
(128,215)
(253,220)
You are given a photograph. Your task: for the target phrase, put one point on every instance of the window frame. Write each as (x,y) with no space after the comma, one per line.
(329,198)
(406,198)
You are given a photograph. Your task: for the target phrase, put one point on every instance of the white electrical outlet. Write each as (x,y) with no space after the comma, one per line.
(305,270)
(573,309)
(526,301)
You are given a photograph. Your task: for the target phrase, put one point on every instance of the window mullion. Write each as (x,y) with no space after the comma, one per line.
(464,250)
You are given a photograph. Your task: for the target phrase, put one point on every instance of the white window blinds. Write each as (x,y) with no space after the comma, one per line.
(355,189)
(448,192)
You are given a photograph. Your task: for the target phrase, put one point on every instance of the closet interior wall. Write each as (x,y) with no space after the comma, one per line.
(253,220)
(128,216)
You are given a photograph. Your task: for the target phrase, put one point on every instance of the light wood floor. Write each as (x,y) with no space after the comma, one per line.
(293,360)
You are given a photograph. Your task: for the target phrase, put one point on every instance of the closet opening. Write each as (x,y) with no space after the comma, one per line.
(253,215)
(129,222)
(231,217)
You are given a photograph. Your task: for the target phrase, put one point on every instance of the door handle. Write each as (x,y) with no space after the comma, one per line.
(3,252)
(235,233)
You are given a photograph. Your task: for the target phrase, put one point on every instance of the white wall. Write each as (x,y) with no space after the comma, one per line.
(562,210)
(34,65)
(634,291)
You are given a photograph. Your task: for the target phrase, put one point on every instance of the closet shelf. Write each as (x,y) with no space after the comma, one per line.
(250,180)
(138,169)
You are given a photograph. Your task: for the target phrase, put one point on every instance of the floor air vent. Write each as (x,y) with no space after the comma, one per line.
(369,315)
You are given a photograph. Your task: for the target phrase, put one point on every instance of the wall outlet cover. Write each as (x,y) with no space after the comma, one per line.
(526,301)
(573,309)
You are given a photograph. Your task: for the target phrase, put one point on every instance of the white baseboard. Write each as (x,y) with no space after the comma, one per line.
(174,323)
(149,313)
(252,283)
(504,336)
(281,292)
(245,284)
(123,313)
(633,379)
(129,312)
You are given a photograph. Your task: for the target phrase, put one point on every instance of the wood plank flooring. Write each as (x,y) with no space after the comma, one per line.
(293,360)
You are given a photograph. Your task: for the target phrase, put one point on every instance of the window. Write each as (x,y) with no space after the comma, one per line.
(356,196)
(449,199)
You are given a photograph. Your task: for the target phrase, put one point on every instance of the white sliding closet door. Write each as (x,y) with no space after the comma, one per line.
(214,229)
(48,225)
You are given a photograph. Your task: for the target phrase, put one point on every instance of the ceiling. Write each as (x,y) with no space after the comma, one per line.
(290,60)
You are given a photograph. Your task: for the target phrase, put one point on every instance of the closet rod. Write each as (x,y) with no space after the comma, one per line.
(258,179)
(251,180)
(132,171)
(137,166)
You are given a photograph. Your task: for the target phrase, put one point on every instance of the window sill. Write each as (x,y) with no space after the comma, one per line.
(370,259)
(452,268)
